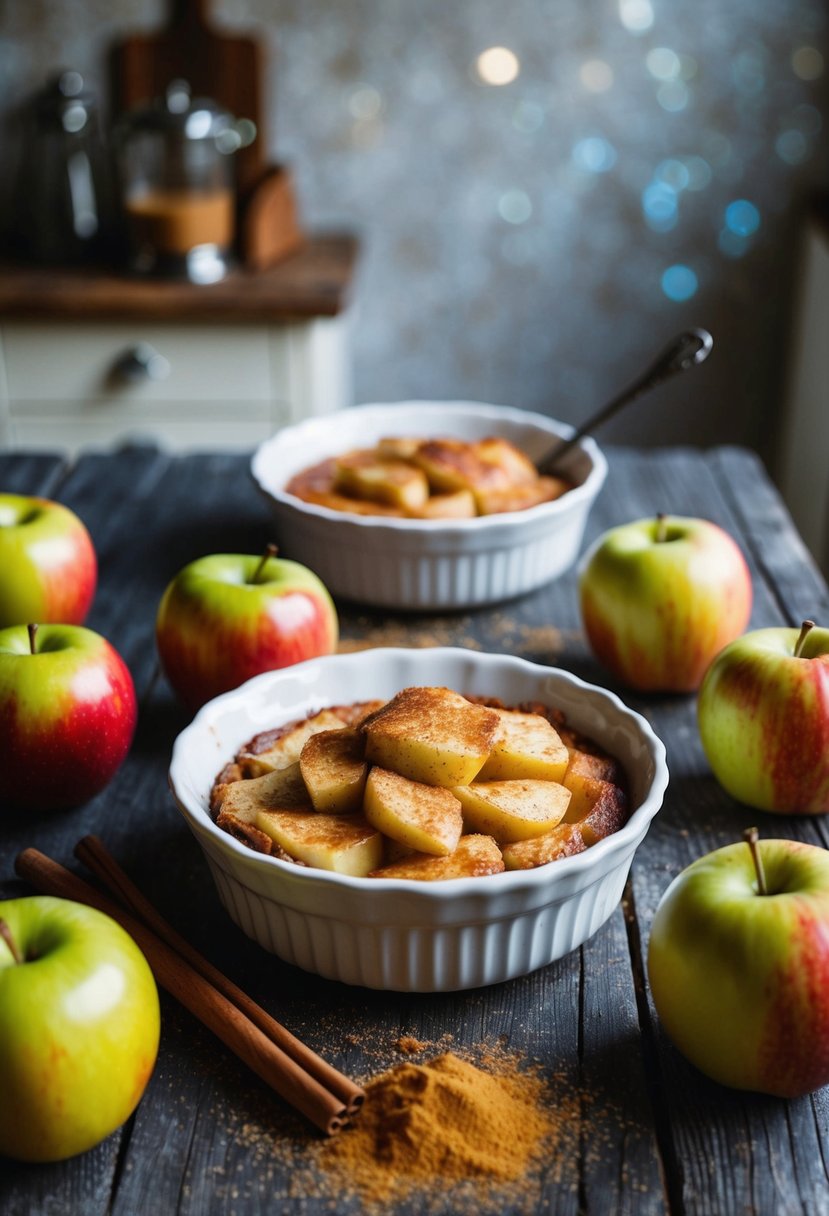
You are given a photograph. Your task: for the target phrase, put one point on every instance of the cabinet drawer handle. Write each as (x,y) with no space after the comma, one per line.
(141,362)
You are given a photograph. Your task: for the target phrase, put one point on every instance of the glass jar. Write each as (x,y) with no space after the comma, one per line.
(63,206)
(177,185)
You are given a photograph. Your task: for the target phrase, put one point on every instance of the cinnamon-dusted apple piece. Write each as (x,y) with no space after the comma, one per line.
(346,844)
(600,768)
(345,502)
(525,745)
(431,735)
(516,468)
(474,857)
(282,789)
(599,807)
(563,841)
(496,500)
(426,818)
(588,759)
(364,474)
(334,769)
(452,464)
(512,810)
(286,748)
(236,804)
(460,504)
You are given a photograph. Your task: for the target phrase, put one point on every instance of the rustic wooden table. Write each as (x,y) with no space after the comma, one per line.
(653,1135)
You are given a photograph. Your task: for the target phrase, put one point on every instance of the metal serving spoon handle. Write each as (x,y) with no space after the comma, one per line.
(687,350)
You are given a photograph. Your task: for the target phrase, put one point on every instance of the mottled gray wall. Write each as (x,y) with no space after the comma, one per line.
(519,239)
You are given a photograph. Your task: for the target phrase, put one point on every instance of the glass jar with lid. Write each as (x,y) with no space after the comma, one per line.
(175,161)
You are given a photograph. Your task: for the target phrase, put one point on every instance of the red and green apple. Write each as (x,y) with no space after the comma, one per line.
(738,963)
(661,597)
(48,563)
(227,617)
(763,713)
(79,1027)
(67,715)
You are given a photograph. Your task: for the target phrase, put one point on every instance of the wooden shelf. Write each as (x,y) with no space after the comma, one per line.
(314,282)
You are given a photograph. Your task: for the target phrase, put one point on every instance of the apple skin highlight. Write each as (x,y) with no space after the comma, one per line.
(741,980)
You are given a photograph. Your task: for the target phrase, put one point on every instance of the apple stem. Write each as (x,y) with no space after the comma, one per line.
(805,629)
(6,934)
(270,551)
(752,839)
(661,528)
(32,636)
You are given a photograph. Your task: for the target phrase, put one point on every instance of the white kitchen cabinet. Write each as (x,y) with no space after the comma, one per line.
(213,385)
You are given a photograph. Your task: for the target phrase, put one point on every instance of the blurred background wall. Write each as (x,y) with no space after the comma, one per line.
(546,191)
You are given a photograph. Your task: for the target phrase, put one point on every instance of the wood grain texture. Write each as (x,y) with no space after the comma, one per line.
(644,1133)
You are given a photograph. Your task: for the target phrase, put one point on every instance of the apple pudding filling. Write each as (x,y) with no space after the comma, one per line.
(417,478)
(428,785)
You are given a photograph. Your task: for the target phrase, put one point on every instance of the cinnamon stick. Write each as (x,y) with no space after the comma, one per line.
(94,854)
(173,973)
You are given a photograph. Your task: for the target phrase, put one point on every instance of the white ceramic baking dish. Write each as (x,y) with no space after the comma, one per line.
(428,564)
(400,934)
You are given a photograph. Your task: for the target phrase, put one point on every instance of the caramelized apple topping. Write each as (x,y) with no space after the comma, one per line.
(429,785)
(428,478)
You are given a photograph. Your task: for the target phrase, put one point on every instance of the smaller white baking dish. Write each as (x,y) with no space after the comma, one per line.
(428,564)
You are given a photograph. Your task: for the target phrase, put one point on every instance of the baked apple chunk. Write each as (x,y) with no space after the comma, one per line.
(431,735)
(334,769)
(286,748)
(512,810)
(427,818)
(347,844)
(598,807)
(475,856)
(525,745)
(563,841)
(381,479)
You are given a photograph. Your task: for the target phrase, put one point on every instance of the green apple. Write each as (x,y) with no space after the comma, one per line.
(763,713)
(660,597)
(227,617)
(738,963)
(79,1027)
(48,563)
(67,715)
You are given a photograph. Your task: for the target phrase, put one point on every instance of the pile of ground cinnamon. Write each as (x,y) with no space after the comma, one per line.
(443,1122)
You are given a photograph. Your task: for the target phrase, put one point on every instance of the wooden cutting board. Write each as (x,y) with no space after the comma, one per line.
(224,67)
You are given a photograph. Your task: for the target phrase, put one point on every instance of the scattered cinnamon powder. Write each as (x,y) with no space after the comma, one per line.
(444,1122)
(409,1045)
